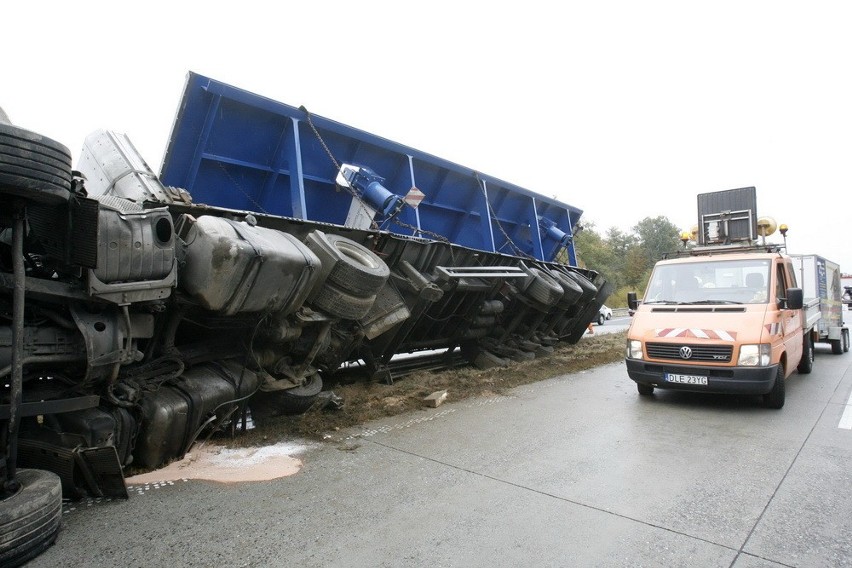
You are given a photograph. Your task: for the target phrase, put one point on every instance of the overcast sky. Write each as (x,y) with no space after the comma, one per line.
(623,109)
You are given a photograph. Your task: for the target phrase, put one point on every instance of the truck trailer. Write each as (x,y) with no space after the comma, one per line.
(136,319)
(820,279)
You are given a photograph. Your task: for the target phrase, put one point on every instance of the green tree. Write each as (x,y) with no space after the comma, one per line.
(657,236)
(626,259)
(620,242)
(593,252)
(636,270)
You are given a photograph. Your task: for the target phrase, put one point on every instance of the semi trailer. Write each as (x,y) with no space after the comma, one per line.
(140,311)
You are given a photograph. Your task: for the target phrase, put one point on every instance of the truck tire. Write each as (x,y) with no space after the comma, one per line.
(341,304)
(836,346)
(645,390)
(845,336)
(806,365)
(572,291)
(586,285)
(353,268)
(300,399)
(543,288)
(33,166)
(30,519)
(775,397)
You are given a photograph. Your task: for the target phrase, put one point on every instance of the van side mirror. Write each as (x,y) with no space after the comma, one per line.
(632,302)
(795,299)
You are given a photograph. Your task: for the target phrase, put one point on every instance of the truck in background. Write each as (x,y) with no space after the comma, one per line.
(846,286)
(726,316)
(820,279)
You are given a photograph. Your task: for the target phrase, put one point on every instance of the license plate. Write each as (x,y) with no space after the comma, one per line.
(686,379)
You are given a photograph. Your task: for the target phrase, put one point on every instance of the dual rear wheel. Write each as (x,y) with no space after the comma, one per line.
(354,275)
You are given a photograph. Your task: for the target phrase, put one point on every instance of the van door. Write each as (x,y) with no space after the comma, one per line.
(791,320)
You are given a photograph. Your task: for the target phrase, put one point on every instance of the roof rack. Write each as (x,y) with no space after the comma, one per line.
(724,249)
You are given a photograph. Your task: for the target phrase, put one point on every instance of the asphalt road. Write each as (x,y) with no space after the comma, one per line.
(574,471)
(617,323)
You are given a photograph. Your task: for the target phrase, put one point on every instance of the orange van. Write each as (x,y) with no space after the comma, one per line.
(721,320)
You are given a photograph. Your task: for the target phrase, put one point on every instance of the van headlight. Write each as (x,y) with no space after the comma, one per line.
(754,355)
(634,349)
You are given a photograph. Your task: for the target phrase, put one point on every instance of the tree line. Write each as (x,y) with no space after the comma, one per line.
(626,258)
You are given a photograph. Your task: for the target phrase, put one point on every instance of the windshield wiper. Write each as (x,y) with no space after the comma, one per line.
(713,302)
(666,302)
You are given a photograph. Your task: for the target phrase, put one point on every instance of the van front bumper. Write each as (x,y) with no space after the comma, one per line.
(726,380)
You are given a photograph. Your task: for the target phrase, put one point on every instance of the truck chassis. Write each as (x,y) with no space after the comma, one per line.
(132,327)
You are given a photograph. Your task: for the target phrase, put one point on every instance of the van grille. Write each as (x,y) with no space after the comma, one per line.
(672,351)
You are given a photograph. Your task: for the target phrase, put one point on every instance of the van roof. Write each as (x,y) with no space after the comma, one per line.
(704,257)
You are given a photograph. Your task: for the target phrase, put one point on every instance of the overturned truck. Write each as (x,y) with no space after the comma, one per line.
(274,251)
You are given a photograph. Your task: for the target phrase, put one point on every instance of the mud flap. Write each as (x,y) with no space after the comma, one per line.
(102,471)
(95,471)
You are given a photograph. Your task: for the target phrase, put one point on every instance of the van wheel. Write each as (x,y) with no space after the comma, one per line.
(807,362)
(845,335)
(601,319)
(775,397)
(645,390)
(836,346)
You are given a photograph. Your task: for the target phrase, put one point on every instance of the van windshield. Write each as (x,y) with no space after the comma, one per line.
(710,282)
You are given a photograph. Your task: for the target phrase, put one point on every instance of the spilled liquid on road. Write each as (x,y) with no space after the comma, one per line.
(229,465)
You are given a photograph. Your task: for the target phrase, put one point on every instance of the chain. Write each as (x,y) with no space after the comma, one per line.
(436,236)
(244,192)
(321,141)
(493,215)
(331,157)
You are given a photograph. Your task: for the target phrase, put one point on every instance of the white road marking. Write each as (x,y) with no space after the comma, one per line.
(846,419)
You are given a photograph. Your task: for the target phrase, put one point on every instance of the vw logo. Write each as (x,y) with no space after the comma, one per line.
(685,352)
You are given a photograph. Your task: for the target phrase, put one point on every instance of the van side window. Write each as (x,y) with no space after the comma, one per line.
(791,275)
(781,282)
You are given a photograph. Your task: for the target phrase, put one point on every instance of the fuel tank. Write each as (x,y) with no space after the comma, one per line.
(173,415)
(234,267)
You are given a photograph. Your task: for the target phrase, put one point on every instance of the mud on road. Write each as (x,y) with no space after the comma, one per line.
(368,401)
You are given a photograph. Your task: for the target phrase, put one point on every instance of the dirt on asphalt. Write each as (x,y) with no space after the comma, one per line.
(267,451)
(366,401)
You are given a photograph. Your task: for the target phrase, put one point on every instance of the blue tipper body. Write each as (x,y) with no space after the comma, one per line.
(235,149)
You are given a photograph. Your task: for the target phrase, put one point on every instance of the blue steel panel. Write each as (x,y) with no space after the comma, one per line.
(232,148)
